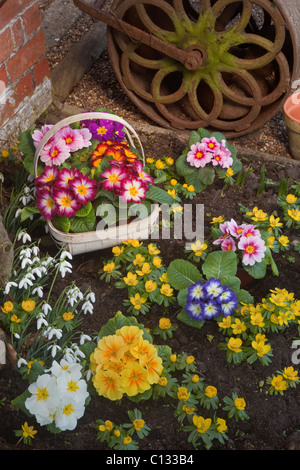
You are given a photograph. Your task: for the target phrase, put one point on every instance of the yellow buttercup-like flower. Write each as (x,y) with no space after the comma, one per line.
(183,394)
(221,425)
(137,301)
(234,344)
(117,250)
(279,383)
(109,267)
(198,247)
(131,279)
(294,214)
(7,307)
(153,250)
(225,323)
(210,391)
(283,240)
(150,286)
(261,348)
(275,222)
(166,290)
(138,424)
(240,403)
(145,269)
(238,327)
(67,316)
(290,373)
(164,323)
(201,423)
(291,199)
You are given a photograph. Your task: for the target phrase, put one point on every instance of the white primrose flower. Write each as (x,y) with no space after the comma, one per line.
(70,384)
(44,399)
(68,413)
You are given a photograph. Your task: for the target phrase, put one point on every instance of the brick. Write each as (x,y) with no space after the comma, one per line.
(31,19)
(17,32)
(40,71)
(3,77)
(7,45)
(11,9)
(27,56)
(24,88)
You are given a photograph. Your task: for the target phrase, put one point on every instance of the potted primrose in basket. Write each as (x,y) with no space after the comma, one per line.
(89,177)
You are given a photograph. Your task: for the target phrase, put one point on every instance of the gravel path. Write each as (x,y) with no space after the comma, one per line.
(100,88)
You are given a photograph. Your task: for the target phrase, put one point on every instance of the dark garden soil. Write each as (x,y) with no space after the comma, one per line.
(274,422)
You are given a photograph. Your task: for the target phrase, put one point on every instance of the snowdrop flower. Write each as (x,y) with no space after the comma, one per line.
(91,296)
(87,307)
(35,251)
(21,362)
(10,284)
(17,336)
(54,348)
(37,272)
(50,332)
(74,294)
(25,237)
(65,254)
(25,261)
(65,267)
(38,291)
(46,262)
(84,338)
(25,253)
(25,283)
(41,321)
(18,213)
(46,308)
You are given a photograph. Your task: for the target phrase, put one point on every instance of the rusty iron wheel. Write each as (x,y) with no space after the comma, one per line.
(221,64)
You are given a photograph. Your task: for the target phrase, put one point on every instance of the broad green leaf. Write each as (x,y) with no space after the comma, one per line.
(83,224)
(206,175)
(258,270)
(181,274)
(85,210)
(245,297)
(157,194)
(182,297)
(25,143)
(220,264)
(28,211)
(187,320)
(183,168)
(61,223)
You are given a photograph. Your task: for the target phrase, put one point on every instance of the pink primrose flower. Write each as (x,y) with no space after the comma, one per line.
(72,138)
(198,155)
(45,203)
(55,154)
(39,134)
(133,190)
(235,229)
(86,135)
(113,178)
(65,177)
(47,177)
(138,168)
(228,244)
(222,156)
(66,202)
(212,145)
(253,250)
(85,189)
(225,233)
(250,231)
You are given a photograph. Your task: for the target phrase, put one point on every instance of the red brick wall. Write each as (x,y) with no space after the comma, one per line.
(23,65)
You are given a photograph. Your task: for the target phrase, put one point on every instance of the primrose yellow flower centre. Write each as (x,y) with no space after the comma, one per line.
(68,409)
(54,153)
(101,130)
(65,201)
(42,394)
(72,386)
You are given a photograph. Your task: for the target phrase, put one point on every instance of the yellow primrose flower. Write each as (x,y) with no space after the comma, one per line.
(153,250)
(183,394)
(111,347)
(221,425)
(261,348)
(275,222)
(138,424)
(166,290)
(198,247)
(145,270)
(240,403)
(217,220)
(238,327)
(283,240)
(67,316)
(291,199)
(164,323)
(109,267)
(210,391)
(150,286)
(28,431)
(201,423)
(169,161)
(7,307)
(137,301)
(279,383)
(159,164)
(134,379)
(225,323)
(117,250)
(290,374)
(108,384)
(294,214)
(131,279)
(234,344)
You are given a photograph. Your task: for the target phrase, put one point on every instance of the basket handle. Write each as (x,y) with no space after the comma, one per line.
(85,116)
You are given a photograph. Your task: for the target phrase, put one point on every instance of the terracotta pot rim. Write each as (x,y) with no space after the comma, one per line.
(287,107)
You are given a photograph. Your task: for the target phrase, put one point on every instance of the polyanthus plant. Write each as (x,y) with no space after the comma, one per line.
(212,294)
(125,362)
(84,168)
(205,157)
